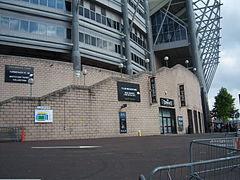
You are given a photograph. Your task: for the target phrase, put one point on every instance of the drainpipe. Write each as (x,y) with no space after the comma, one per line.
(127,37)
(76,59)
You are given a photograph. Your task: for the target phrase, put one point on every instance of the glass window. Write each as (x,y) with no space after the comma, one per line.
(69,33)
(81,37)
(87,39)
(52,3)
(93,15)
(5,22)
(34,1)
(111,46)
(33,27)
(24,26)
(114,24)
(104,44)
(68,6)
(86,13)
(26,0)
(60,4)
(52,31)
(93,41)
(109,22)
(81,11)
(42,29)
(14,24)
(98,17)
(81,2)
(104,20)
(99,43)
(61,32)
(118,26)
(43,2)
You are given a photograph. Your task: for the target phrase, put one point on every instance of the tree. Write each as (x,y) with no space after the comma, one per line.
(224,106)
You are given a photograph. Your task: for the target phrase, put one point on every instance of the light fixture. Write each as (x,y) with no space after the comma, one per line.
(30,82)
(147,60)
(166,58)
(120,66)
(187,62)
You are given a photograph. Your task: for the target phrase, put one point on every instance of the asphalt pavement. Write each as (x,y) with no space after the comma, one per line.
(115,158)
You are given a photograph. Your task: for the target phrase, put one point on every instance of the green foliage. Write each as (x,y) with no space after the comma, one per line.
(223,106)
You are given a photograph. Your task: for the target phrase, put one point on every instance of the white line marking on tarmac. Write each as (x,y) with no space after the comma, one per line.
(66,147)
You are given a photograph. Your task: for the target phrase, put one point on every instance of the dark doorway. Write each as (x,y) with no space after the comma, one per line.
(167,121)
(190,121)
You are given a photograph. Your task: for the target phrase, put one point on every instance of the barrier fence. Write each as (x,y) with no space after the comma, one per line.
(210,159)
(11,133)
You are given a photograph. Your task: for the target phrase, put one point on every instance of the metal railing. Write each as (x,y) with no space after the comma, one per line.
(216,169)
(210,159)
(206,149)
(10,133)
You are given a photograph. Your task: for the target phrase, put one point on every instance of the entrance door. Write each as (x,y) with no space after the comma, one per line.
(167,121)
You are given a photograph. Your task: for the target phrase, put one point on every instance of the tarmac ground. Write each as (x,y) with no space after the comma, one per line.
(116,159)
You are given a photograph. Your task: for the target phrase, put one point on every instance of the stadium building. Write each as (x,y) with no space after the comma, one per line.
(104,68)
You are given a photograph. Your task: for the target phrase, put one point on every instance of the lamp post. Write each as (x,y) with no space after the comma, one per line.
(84,74)
(166,58)
(120,66)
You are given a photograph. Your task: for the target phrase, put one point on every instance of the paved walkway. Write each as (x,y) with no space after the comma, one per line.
(116,159)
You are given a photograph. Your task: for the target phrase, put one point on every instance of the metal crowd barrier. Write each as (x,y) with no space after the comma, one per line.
(216,169)
(206,149)
(10,133)
(210,159)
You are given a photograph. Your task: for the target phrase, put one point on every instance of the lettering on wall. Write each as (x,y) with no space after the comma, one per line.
(182,95)
(166,102)
(153,90)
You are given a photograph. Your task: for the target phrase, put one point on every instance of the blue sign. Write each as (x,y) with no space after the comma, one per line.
(123,122)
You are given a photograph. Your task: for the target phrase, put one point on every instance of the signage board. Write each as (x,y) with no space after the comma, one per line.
(153,90)
(182,95)
(128,92)
(166,102)
(18,74)
(123,122)
(180,123)
(43,116)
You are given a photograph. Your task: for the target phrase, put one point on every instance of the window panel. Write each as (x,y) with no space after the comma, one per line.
(43,2)
(69,33)
(52,31)
(81,37)
(105,44)
(104,20)
(86,13)
(99,43)
(109,22)
(14,24)
(93,41)
(24,25)
(81,11)
(98,17)
(42,29)
(52,3)
(33,27)
(34,1)
(61,32)
(93,15)
(60,4)
(87,39)
(5,22)
(68,6)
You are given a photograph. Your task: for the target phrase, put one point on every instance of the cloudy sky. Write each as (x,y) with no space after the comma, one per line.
(228,72)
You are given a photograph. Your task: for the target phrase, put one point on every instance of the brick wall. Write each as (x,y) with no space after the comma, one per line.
(49,76)
(92,111)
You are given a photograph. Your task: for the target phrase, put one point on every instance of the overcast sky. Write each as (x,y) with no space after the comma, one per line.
(228,72)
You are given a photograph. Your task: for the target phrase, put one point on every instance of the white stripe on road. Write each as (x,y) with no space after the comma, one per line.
(66,147)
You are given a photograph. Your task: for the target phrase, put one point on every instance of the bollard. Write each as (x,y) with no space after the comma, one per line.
(23,135)
(139,133)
